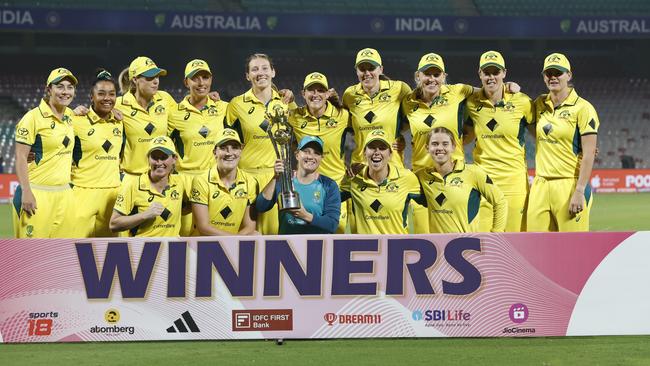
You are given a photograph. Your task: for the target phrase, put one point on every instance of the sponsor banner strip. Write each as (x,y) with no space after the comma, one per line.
(123,21)
(350,286)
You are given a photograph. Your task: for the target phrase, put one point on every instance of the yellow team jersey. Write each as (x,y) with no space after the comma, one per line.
(141,125)
(331,127)
(381,208)
(454,200)
(51,141)
(446,110)
(559,147)
(96,154)
(246,114)
(137,195)
(194,133)
(380,112)
(500,130)
(226,205)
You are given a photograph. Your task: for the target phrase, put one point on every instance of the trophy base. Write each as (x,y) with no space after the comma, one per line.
(288,201)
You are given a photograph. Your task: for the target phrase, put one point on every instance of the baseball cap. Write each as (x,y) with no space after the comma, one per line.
(369,55)
(492,58)
(314,141)
(195,66)
(59,74)
(557,61)
(146,67)
(227,134)
(377,135)
(431,60)
(315,78)
(162,143)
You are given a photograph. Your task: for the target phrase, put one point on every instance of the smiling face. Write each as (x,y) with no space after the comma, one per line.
(556,80)
(62,93)
(228,155)
(199,84)
(368,75)
(430,80)
(315,96)
(440,147)
(160,164)
(260,73)
(103,97)
(492,78)
(309,158)
(377,155)
(146,87)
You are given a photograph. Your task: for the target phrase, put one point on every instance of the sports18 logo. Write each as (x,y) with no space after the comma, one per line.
(40,324)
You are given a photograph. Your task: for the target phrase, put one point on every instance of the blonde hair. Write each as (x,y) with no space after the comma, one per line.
(124,82)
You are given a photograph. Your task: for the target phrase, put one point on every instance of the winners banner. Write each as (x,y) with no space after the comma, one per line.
(336,286)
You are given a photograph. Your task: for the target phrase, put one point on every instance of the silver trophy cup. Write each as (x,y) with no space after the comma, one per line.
(280,133)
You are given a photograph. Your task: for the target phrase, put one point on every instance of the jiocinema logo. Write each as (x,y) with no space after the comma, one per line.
(518,313)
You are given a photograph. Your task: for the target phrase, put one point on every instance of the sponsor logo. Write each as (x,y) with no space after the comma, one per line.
(91,132)
(184,324)
(112,317)
(384,97)
(23,131)
(332,318)
(392,187)
(331,123)
(456,182)
(262,319)
(175,195)
(40,324)
(518,313)
(444,317)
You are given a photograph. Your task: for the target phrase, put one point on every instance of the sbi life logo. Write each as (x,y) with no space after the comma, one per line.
(441,315)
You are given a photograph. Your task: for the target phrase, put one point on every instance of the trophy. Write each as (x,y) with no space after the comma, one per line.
(281,133)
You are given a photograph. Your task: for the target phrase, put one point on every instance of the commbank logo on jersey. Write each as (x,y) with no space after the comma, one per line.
(429,120)
(165,214)
(492,125)
(441,199)
(225,212)
(548,128)
(149,128)
(204,131)
(369,116)
(376,205)
(107,145)
(264,125)
(66,141)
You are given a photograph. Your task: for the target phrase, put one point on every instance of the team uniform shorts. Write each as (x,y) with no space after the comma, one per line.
(548,206)
(51,219)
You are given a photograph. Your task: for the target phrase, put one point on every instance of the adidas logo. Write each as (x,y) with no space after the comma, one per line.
(182,324)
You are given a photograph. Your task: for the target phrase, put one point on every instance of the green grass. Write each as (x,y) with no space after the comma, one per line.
(622,350)
(611,212)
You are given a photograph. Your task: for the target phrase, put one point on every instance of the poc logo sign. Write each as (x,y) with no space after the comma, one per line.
(637,181)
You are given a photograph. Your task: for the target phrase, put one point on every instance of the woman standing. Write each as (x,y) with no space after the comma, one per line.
(453,189)
(246,114)
(145,110)
(381,191)
(222,197)
(567,130)
(96,160)
(42,200)
(329,122)
(194,126)
(497,119)
(150,205)
(320,198)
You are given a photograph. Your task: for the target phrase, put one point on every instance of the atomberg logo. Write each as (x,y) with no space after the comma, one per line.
(112,317)
(333,318)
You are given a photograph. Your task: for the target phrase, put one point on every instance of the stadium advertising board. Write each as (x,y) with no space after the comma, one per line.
(123,21)
(8,184)
(337,286)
